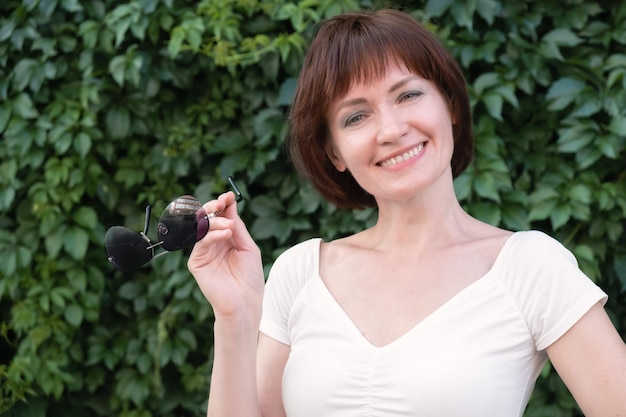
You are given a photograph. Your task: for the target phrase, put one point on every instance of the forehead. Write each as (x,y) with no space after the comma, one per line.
(373,71)
(392,73)
(384,83)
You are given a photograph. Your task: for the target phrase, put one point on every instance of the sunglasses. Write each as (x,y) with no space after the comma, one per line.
(183,222)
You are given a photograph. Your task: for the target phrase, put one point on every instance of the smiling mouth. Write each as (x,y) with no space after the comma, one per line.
(404,157)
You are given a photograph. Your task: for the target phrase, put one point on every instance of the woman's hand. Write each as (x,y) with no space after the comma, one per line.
(227,264)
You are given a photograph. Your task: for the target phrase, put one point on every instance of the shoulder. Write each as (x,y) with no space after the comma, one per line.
(533,260)
(304,254)
(296,265)
(538,247)
(533,257)
(288,276)
(538,270)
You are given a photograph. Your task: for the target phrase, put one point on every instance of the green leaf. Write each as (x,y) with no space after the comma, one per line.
(23,107)
(76,242)
(486,212)
(117,69)
(174,46)
(610,145)
(5,116)
(266,206)
(63,143)
(74,314)
(463,186)
(23,72)
(54,242)
(619,266)
(542,202)
(590,106)
(570,143)
(82,144)
(581,211)
(7,29)
(584,252)
(72,6)
(24,256)
(507,92)
(86,217)
(580,193)
(577,135)
(130,290)
(618,125)
(436,8)
(286,93)
(118,122)
(563,92)
(587,157)
(188,338)
(487,9)
(131,386)
(89,32)
(493,102)
(7,197)
(267,227)
(486,187)
(562,37)
(515,217)
(235,162)
(615,61)
(559,215)
(8,262)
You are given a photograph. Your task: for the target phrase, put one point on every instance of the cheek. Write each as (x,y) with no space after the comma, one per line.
(353,146)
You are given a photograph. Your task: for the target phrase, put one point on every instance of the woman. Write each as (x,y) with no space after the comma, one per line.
(430,312)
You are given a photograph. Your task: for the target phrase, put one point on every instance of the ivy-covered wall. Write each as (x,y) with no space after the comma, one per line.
(107,106)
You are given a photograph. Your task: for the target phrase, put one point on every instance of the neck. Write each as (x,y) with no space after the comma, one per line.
(424,223)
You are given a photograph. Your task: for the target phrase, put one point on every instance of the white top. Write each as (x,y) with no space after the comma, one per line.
(479,354)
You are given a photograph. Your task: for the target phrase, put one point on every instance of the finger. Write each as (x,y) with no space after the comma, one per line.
(241,236)
(220,223)
(216,224)
(210,249)
(225,207)
(218,205)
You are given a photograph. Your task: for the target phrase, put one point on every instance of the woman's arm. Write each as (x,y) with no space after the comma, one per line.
(233,389)
(271,359)
(227,266)
(591,360)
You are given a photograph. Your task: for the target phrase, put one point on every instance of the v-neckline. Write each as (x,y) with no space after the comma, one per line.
(429,317)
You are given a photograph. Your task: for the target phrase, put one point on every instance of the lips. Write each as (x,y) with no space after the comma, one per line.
(411,153)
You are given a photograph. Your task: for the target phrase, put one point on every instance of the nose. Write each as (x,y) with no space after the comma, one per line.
(391,126)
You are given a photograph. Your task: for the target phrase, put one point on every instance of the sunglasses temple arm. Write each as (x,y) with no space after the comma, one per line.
(238,195)
(146,224)
(157,255)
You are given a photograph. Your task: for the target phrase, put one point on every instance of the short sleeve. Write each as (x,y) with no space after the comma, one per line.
(288,275)
(550,289)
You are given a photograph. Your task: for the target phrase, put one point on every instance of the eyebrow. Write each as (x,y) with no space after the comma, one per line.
(394,87)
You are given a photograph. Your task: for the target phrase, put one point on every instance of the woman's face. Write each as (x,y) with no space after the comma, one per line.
(394,135)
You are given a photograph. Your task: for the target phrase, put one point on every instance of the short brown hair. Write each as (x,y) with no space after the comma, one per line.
(355,47)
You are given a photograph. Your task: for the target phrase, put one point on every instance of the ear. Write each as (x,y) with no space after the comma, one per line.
(337,161)
(451,110)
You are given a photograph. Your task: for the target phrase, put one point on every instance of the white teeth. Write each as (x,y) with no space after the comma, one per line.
(405,156)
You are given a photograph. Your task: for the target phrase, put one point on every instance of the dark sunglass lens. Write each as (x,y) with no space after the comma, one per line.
(127,250)
(178,225)
(203,224)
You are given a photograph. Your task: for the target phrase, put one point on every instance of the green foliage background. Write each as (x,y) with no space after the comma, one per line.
(107,106)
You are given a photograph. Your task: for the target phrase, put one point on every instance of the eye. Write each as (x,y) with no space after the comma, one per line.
(353,119)
(409,95)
